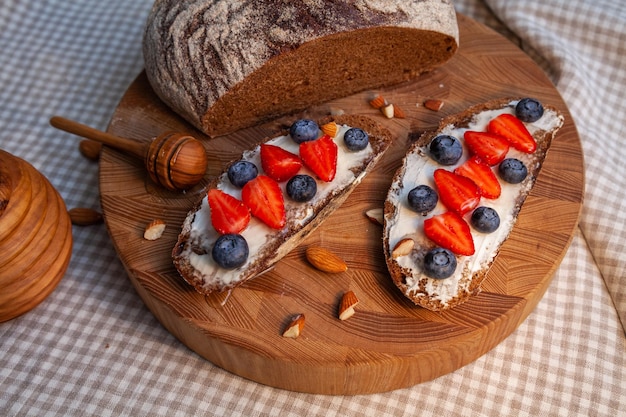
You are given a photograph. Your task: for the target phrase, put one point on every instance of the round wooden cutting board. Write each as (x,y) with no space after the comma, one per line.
(389,343)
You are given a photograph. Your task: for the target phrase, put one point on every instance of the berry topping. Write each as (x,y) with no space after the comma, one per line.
(304,130)
(482,175)
(529,110)
(450,231)
(446,150)
(320,156)
(422,199)
(301,188)
(230,251)
(512,170)
(264,198)
(439,263)
(489,147)
(485,219)
(241,172)
(514,131)
(278,163)
(228,215)
(458,193)
(356,139)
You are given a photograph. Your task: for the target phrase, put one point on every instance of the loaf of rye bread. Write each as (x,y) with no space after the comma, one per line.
(224,65)
(401,222)
(192,253)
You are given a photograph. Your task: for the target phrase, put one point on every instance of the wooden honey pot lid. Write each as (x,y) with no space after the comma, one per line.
(35,237)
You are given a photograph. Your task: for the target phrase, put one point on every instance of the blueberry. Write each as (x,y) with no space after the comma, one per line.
(304,130)
(301,188)
(241,172)
(446,150)
(356,139)
(485,219)
(422,199)
(230,251)
(439,263)
(529,110)
(512,170)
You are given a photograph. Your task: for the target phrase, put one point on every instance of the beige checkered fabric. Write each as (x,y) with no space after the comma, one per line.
(93,348)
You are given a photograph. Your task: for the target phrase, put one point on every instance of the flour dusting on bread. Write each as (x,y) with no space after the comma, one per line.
(219,63)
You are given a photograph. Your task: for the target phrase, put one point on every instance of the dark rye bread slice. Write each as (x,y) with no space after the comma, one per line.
(400,222)
(225,65)
(192,253)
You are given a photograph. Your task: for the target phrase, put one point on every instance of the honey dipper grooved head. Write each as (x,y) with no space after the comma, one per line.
(176,161)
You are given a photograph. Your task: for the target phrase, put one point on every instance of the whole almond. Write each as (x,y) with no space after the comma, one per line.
(154,230)
(83,216)
(346,307)
(325,260)
(402,248)
(294,327)
(433,104)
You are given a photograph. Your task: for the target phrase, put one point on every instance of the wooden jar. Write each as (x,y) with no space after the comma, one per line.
(35,237)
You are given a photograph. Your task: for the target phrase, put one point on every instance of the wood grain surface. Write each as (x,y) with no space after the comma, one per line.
(389,343)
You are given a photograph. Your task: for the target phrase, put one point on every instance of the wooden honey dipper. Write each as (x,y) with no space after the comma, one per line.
(174,160)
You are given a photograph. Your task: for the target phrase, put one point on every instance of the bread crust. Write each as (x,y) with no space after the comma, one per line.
(219,63)
(422,289)
(284,240)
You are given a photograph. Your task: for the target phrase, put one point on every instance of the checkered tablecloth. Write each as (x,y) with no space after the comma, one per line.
(93,348)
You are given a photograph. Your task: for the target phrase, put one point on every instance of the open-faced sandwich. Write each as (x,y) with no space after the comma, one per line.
(264,204)
(457,195)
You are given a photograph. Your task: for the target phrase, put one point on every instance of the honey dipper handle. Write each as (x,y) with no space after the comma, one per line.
(131,146)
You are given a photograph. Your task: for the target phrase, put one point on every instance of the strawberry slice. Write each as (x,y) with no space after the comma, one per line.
(278,163)
(450,231)
(458,193)
(265,200)
(482,175)
(320,156)
(228,215)
(490,147)
(514,130)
